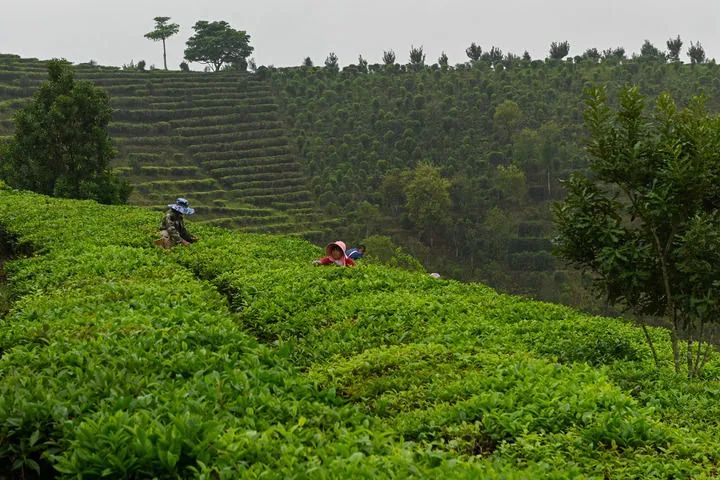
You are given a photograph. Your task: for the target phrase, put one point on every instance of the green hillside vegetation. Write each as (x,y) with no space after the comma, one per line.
(459,165)
(235,358)
(500,131)
(217,140)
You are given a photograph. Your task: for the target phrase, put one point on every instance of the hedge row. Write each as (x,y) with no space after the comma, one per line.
(229,127)
(220,159)
(190,184)
(225,119)
(237,135)
(270,183)
(240,145)
(228,171)
(277,168)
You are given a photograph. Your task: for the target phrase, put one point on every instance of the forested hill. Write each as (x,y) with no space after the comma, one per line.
(234,358)
(466,159)
(456,164)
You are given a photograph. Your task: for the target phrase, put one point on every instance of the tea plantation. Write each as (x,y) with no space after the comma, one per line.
(216,140)
(235,358)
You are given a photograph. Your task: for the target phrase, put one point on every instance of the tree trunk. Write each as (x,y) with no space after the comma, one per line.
(675,341)
(650,343)
(548,183)
(696,366)
(670,307)
(164,55)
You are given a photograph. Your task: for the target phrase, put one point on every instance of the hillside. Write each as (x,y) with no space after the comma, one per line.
(235,358)
(502,135)
(321,153)
(217,140)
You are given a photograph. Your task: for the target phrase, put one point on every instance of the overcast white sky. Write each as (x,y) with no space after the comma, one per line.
(283,32)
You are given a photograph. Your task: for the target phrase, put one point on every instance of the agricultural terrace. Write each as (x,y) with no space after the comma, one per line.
(217,140)
(235,358)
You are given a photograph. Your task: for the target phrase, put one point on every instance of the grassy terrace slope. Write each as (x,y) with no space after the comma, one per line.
(218,140)
(234,358)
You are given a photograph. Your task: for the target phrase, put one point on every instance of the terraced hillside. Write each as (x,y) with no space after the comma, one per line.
(215,139)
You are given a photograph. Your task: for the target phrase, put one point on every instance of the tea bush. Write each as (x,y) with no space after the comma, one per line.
(235,358)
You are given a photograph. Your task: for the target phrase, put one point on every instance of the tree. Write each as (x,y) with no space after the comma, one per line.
(307,62)
(558,51)
(617,54)
(551,141)
(162,31)
(591,54)
(510,184)
(494,56)
(331,62)
(511,59)
(443,61)
(428,200)
(474,52)
(389,57)
(507,119)
(650,51)
(362,64)
(696,53)
(417,57)
(646,223)
(392,190)
(674,46)
(496,230)
(216,44)
(61,144)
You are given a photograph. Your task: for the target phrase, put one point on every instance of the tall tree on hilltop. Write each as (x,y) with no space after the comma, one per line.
(696,52)
(617,54)
(474,52)
(443,61)
(331,62)
(591,54)
(389,57)
(650,51)
(417,57)
(674,46)
(307,62)
(216,44)
(558,51)
(494,56)
(162,31)
(61,145)
(362,64)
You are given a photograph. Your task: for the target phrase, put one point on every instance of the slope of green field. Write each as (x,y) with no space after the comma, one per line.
(217,140)
(235,358)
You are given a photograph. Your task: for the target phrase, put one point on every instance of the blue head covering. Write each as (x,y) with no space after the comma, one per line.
(181,205)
